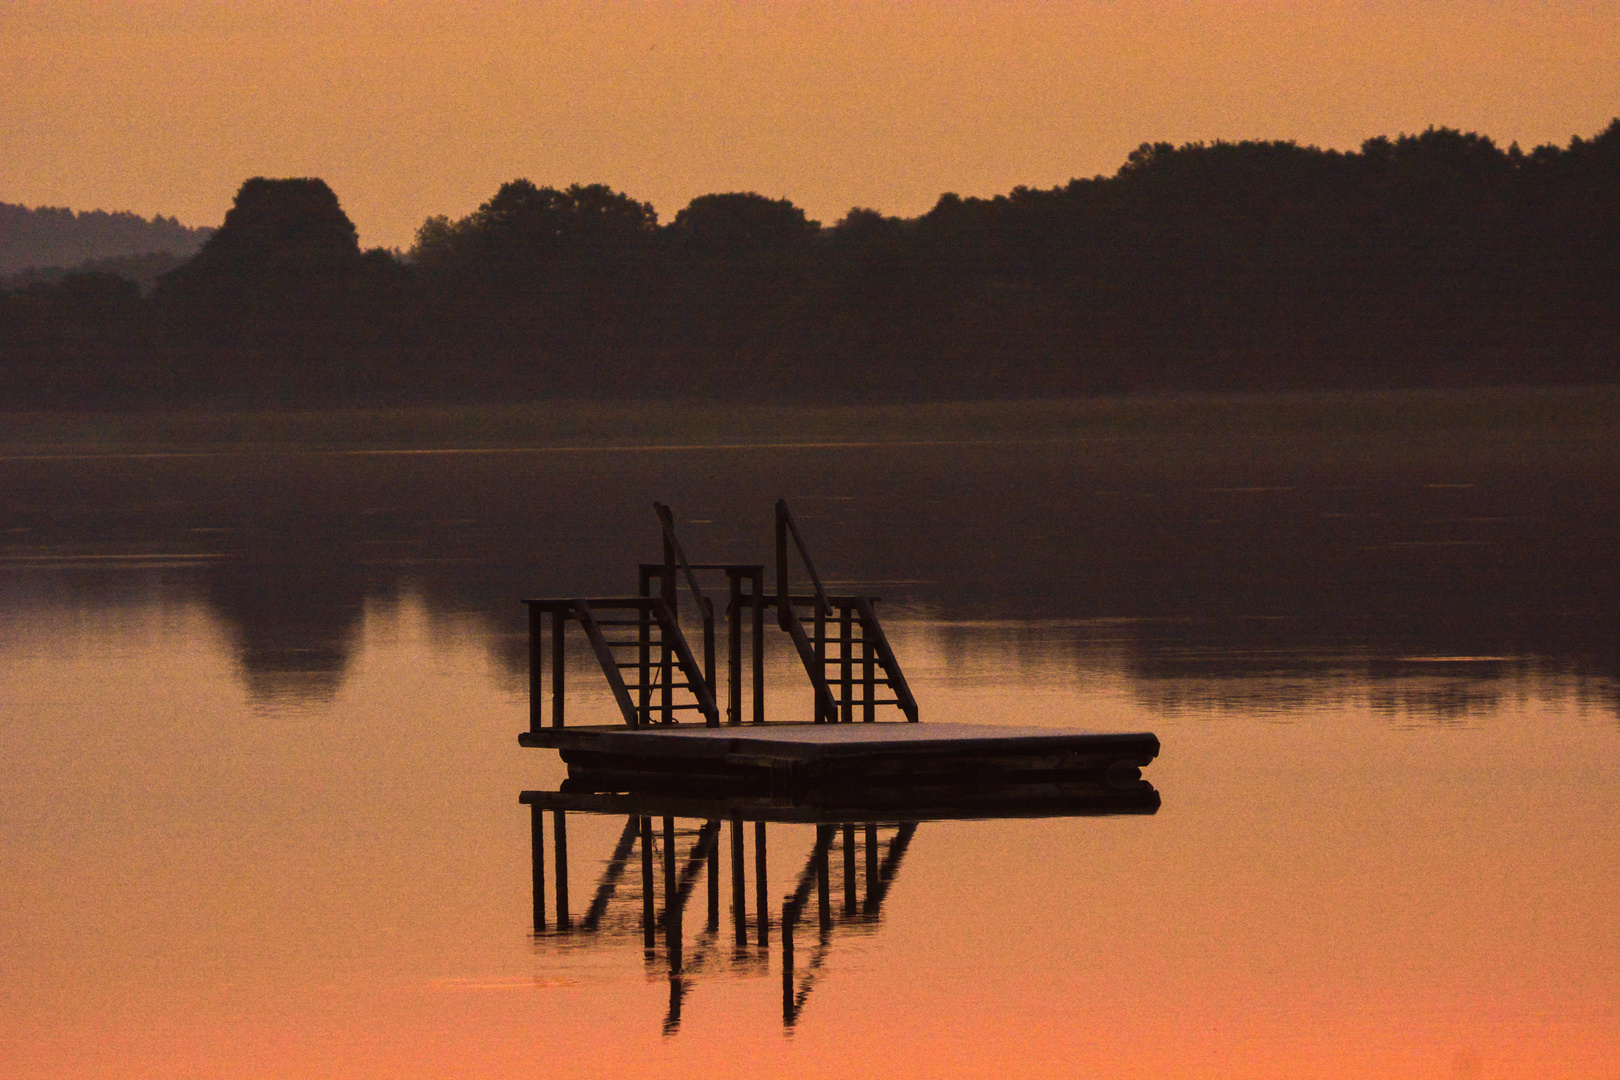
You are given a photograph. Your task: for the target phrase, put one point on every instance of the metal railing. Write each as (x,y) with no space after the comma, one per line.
(600,617)
(848,613)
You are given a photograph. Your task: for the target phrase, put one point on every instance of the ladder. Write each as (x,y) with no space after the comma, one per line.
(667,678)
(839,640)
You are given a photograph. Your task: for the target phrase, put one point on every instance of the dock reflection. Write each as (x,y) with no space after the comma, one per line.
(674,841)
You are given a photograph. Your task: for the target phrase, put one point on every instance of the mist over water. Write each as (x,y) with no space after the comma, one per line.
(261,782)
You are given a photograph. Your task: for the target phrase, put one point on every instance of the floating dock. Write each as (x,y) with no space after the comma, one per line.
(841,759)
(875,766)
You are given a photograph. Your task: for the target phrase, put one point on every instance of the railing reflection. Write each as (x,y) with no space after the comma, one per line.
(869,845)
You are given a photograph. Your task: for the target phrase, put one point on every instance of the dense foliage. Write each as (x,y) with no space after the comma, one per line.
(1430,258)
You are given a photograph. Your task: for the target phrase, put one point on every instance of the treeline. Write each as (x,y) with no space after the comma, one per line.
(52,237)
(1437,258)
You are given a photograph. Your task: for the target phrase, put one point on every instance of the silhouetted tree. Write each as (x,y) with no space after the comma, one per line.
(537,262)
(286,262)
(739,222)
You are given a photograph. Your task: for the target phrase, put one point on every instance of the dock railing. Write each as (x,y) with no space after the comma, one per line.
(668,586)
(602,619)
(851,613)
(739,602)
(664,665)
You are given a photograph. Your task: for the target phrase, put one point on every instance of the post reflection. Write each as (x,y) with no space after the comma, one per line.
(839,891)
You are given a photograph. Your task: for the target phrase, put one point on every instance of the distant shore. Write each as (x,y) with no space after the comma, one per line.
(1584,421)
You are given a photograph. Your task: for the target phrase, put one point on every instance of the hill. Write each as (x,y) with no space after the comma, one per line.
(51,236)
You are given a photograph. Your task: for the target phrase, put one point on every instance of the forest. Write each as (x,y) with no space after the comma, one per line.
(1431,259)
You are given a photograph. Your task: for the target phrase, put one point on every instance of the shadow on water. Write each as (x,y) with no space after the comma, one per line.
(647,884)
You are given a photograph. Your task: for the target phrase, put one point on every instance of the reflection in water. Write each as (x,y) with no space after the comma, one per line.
(1231,580)
(295,624)
(859,852)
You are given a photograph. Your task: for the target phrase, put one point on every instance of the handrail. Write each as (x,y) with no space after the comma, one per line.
(675,556)
(666,518)
(701,690)
(812,648)
(585,611)
(826,705)
(811,653)
(880,641)
(785,526)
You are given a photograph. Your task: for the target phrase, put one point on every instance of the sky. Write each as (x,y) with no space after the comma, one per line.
(409,108)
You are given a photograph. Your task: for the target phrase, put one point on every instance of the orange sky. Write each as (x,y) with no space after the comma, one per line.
(414,108)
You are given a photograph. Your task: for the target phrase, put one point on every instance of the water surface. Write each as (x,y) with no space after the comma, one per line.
(261,815)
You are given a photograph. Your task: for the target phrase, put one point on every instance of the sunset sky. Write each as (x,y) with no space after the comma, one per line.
(412,108)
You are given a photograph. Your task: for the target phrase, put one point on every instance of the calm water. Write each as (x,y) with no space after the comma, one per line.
(260,809)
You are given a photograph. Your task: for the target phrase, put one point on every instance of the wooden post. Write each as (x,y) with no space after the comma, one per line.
(644,651)
(789,917)
(868,682)
(761,888)
(734,649)
(559,619)
(537,653)
(871,866)
(849,871)
(821,657)
(672,902)
(708,657)
(666,651)
(648,921)
(783,597)
(712,836)
(560,824)
(823,884)
(739,884)
(846,668)
(669,869)
(759,645)
(537,849)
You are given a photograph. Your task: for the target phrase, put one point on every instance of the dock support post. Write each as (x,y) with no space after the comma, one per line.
(669,868)
(790,915)
(708,657)
(712,834)
(537,653)
(666,654)
(537,850)
(560,826)
(871,866)
(644,652)
(868,684)
(648,921)
(849,871)
(824,835)
(821,659)
(846,669)
(761,887)
(559,619)
(734,650)
(739,884)
(759,645)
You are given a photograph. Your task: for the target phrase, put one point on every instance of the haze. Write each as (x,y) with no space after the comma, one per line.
(412,108)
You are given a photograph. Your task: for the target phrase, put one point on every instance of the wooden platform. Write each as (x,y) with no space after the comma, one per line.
(875,764)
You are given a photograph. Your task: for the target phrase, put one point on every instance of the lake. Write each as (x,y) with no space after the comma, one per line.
(261,680)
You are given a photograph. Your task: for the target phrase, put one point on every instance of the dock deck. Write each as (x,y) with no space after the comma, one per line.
(837,761)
